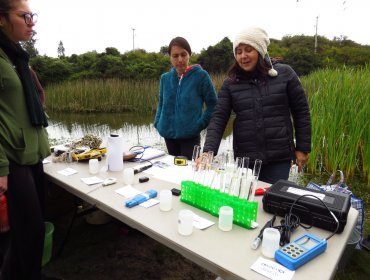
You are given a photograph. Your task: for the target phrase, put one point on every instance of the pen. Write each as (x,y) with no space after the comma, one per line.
(141,169)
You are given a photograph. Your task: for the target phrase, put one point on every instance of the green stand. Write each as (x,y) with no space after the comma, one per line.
(210,200)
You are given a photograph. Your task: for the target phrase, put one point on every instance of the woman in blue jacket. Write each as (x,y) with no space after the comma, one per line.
(183,92)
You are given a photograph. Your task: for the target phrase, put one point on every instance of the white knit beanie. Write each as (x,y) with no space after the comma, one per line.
(258,39)
(255,37)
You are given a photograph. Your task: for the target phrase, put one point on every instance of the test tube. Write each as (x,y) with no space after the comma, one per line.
(256,173)
(235,179)
(196,154)
(244,187)
(257,168)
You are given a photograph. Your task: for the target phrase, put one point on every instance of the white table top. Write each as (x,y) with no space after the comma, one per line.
(227,254)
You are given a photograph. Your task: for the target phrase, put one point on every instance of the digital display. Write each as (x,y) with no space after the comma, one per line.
(307,242)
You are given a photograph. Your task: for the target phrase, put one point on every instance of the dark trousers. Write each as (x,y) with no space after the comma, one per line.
(272,172)
(182,147)
(22,260)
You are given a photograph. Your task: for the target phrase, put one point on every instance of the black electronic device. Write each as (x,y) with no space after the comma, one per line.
(176,192)
(143,179)
(281,195)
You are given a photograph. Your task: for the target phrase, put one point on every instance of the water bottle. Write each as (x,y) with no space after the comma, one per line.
(4,218)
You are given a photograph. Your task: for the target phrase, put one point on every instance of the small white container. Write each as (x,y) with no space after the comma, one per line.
(225,218)
(185,223)
(128,176)
(270,242)
(93,166)
(165,200)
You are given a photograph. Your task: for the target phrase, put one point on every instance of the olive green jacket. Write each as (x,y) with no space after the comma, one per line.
(19,140)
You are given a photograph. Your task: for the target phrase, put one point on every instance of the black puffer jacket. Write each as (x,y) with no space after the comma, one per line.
(265,110)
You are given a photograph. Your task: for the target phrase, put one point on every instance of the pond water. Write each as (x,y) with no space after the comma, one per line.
(136,129)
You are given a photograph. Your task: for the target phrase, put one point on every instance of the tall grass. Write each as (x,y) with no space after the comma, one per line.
(112,95)
(340,103)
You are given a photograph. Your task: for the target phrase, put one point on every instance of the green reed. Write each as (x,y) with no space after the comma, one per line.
(339,103)
(111,95)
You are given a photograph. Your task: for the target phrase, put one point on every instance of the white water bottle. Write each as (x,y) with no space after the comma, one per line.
(115,152)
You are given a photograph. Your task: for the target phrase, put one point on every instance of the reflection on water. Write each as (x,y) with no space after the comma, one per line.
(136,129)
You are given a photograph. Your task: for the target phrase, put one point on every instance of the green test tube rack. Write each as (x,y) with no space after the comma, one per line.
(211,200)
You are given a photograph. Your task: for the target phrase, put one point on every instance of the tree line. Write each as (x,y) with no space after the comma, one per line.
(298,51)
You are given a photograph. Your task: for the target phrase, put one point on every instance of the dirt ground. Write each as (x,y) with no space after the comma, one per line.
(110,251)
(115,251)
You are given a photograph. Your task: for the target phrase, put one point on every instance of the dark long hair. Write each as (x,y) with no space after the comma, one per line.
(261,70)
(6,6)
(180,42)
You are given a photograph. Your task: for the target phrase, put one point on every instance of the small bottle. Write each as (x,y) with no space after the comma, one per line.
(4,218)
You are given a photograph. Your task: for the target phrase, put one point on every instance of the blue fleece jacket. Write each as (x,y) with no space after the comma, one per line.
(180,112)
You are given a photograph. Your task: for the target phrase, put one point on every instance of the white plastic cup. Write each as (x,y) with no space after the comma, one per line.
(93,166)
(225,218)
(165,200)
(270,242)
(128,176)
(185,223)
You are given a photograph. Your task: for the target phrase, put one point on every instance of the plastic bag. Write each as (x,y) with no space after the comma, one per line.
(342,187)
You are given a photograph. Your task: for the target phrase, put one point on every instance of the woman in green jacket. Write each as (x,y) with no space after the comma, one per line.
(23,145)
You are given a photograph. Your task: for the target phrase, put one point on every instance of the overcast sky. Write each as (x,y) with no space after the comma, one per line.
(88,25)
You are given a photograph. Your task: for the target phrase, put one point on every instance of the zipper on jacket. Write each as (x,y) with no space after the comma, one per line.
(178,93)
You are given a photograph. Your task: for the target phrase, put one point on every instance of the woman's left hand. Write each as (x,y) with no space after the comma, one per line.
(301,159)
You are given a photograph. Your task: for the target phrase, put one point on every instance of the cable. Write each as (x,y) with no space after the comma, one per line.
(287,226)
(334,217)
(257,241)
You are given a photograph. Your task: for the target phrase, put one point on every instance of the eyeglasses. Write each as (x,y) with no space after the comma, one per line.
(28,17)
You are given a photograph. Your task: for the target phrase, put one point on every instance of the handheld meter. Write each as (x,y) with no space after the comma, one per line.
(300,251)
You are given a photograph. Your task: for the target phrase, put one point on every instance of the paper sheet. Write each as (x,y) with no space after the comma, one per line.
(67,171)
(201,223)
(91,180)
(128,191)
(272,269)
(173,173)
(149,203)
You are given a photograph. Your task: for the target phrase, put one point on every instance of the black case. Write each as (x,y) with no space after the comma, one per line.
(279,198)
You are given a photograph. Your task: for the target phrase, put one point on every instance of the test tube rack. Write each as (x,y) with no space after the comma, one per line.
(210,200)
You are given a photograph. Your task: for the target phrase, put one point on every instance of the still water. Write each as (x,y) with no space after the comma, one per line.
(136,129)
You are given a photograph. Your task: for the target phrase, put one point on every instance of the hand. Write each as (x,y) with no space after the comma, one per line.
(3,184)
(301,159)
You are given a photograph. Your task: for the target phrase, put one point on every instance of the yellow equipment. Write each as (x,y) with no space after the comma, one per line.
(86,155)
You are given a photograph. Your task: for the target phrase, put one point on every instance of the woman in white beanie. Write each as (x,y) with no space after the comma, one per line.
(272,120)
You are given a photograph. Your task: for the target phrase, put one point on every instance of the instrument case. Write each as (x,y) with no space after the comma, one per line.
(281,195)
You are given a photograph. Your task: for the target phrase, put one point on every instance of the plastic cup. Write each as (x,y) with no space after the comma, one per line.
(165,200)
(128,176)
(185,226)
(225,218)
(270,242)
(93,166)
